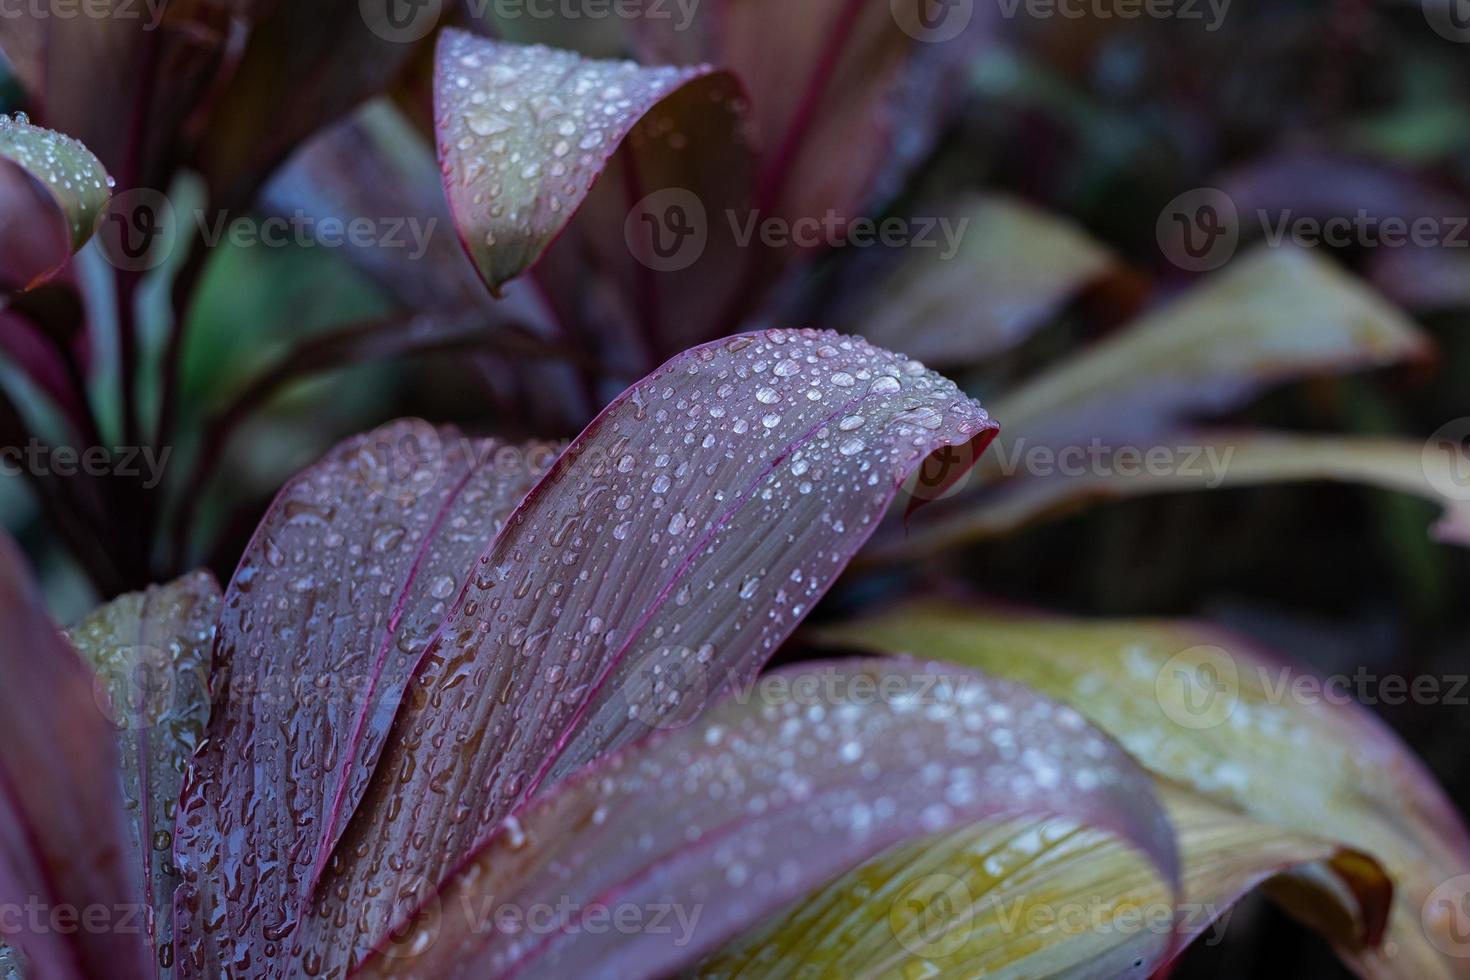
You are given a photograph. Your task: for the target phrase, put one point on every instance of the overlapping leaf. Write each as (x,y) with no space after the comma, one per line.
(151,651)
(304,66)
(828,90)
(664,558)
(354,566)
(772,792)
(1011,268)
(52,189)
(1048,898)
(63,838)
(1439,473)
(1204,708)
(1271,316)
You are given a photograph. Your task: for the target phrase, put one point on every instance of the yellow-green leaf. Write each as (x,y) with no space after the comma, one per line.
(1208,461)
(1029,898)
(957,303)
(1200,706)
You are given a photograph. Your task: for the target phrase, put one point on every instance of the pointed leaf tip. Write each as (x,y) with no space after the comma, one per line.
(525,132)
(666,556)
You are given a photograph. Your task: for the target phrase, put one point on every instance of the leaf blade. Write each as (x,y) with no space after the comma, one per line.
(833,777)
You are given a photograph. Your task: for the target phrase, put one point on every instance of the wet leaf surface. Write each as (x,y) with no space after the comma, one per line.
(151,652)
(1205,708)
(356,563)
(53,190)
(673,547)
(770,793)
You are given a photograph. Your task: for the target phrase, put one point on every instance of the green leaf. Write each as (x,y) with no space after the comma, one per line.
(1204,708)
(53,190)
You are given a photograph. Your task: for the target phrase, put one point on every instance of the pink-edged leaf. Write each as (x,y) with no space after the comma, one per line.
(323,622)
(151,653)
(524,135)
(666,556)
(51,191)
(773,792)
(63,839)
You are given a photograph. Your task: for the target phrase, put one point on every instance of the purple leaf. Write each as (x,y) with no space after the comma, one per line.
(62,833)
(326,617)
(830,90)
(526,132)
(683,535)
(151,653)
(772,793)
(51,191)
(375,166)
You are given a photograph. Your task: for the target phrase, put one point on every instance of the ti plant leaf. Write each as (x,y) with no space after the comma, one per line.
(1204,708)
(53,191)
(772,792)
(1015,267)
(525,132)
(348,575)
(661,561)
(1050,898)
(151,651)
(63,835)
(1437,472)
(1271,316)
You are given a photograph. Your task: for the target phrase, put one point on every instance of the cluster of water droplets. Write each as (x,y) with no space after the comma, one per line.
(152,653)
(68,169)
(681,540)
(332,606)
(524,132)
(767,796)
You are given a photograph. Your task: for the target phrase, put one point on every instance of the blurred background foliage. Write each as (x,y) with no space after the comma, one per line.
(1102,120)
